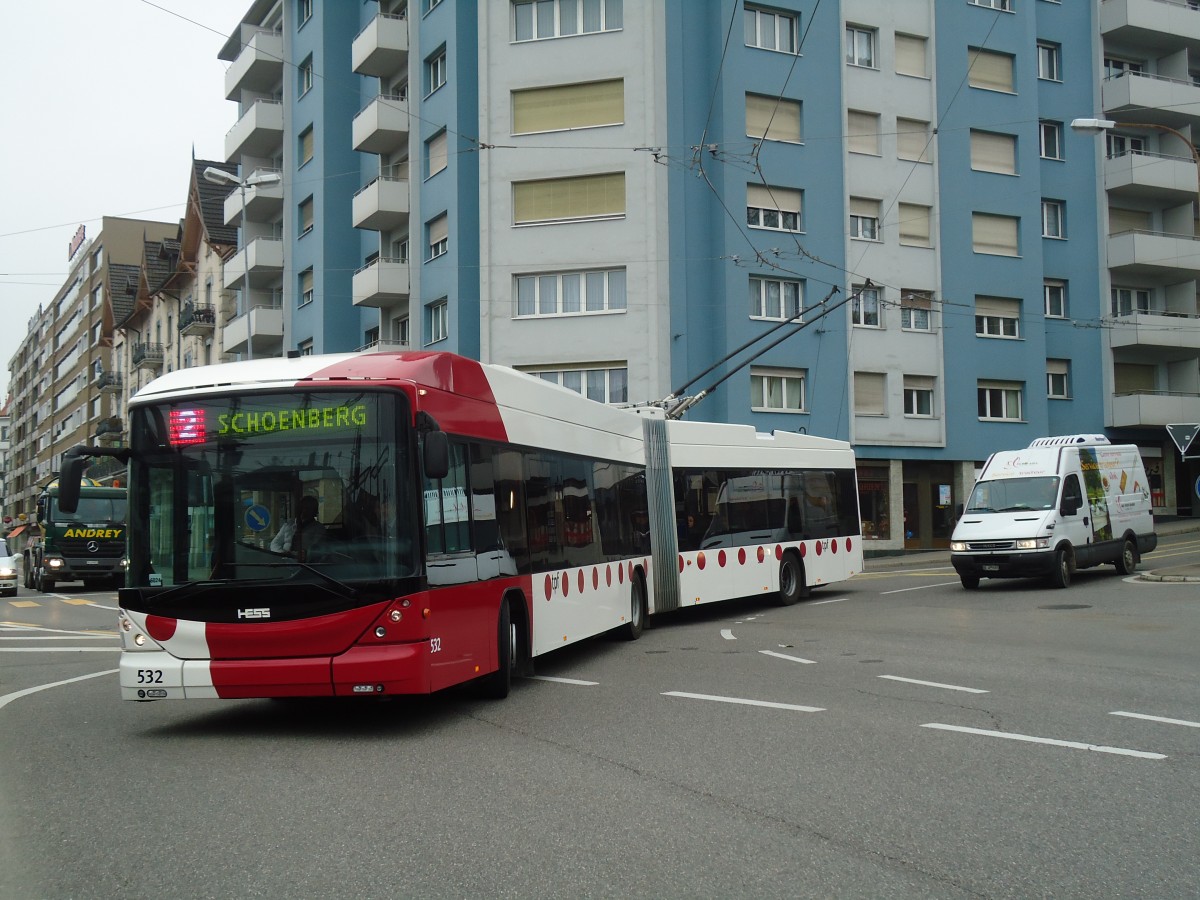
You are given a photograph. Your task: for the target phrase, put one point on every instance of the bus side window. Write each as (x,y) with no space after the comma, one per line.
(447,511)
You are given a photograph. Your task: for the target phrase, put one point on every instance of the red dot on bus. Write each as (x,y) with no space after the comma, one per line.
(595,578)
(762,554)
(631,571)
(818,546)
(803,550)
(680,562)
(549,587)
(848,545)
(608,575)
(581,581)
(620,574)
(160,628)
(721,559)
(700,560)
(833,545)
(566,583)
(741,556)
(778,551)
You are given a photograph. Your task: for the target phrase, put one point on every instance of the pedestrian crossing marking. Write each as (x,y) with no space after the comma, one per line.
(24,604)
(75,601)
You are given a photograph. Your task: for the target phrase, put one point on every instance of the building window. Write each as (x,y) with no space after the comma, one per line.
(918,396)
(306,145)
(873,491)
(1120,144)
(777,390)
(1051,139)
(569,199)
(1115,68)
(914,225)
(431,4)
(772,118)
(1055,295)
(435,71)
(864,219)
(916,310)
(604,385)
(306,287)
(994,235)
(1049,58)
(565,107)
(304,10)
(1128,301)
(305,347)
(304,75)
(999,400)
(305,217)
(862,132)
(438,231)
(911,55)
(912,140)
(989,71)
(771,30)
(991,152)
(773,298)
(570,293)
(1005,5)
(998,317)
(776,208)
(870,391)
(436,154)
(864,308)
(1058,382)
(860,46)
(439,320)
(400,332)
(539,20)
(1054,219)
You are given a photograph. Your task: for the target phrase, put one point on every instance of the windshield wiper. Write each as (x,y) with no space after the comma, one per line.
(348,592)
(187,587)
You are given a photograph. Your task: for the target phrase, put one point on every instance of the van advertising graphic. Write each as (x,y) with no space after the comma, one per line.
(1094,486)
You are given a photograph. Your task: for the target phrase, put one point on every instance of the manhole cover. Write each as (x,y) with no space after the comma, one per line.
(1067,606)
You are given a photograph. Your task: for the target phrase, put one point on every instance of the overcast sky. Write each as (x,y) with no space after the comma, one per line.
(101,104)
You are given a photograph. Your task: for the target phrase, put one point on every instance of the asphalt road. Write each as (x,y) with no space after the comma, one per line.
(896,736)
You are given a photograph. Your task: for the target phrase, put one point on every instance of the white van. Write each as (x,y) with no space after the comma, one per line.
(1065,503)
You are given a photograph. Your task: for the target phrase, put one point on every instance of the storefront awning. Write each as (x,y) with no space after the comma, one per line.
(12,534)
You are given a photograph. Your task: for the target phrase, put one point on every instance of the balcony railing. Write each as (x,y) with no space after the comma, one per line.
(198,319)
(147,354)
(109,382)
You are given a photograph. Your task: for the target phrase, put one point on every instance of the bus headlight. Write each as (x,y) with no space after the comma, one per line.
(1033,543)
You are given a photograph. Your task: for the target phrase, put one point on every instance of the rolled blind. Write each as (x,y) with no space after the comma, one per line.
(994,234)
(306,146)
(912,139)
(437,153)
(772,118)
(910,55)
(916,300)
(860,206)
(914,224)
(564,106)
(1130,378)
(919,382)
(997,306)
(991,71)
(991,152)
(569,198)
(439,229)
(1127,220)
(762,197)
(1057,366)
(869,392)
(862,132)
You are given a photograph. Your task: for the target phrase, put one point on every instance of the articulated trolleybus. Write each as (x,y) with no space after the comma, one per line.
(397,523)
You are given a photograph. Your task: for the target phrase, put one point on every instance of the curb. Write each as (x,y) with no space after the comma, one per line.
(1174,579)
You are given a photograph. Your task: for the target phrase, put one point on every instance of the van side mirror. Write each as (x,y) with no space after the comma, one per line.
(69,480)
(437,455)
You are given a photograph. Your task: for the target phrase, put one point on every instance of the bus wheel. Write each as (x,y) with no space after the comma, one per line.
(1128,560)
(497,685)
(1060,577)
(632,630)
(791,581)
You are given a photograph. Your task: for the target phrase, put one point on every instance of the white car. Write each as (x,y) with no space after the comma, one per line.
(8,571)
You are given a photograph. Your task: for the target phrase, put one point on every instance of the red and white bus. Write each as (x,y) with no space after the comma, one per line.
(397,523)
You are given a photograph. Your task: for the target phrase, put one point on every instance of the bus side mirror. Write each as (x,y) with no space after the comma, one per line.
(69,480)
(437,455)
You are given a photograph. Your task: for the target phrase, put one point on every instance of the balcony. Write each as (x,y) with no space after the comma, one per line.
(383,346)
(1150,98)
(259,131)
(197,319)
(382,125)
(146,355)
(262,201)
(1148,254)
(258,68)
(381,282)
(260,331)
(263,256)
(381,205)
(1151,176)
(382,47)
(1150,23)
(1154,408)
(109,382)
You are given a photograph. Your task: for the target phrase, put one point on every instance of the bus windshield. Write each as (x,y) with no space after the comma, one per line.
(1014,494)
(305,487)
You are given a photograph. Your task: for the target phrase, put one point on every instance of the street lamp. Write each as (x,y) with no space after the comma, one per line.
(220,176)
(1098,126)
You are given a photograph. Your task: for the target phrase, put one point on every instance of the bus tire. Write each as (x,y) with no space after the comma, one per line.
(792,586)
(1060,576)
(497,685)
(1127,562)
(632,630)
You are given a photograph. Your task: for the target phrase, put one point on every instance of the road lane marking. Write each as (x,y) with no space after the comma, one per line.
(819,602)
(727,634)
(99,606)
(919,588)
(785,656)
(558,680)
(936,684)
(23,604)
(1157,719)
(743,702)
(76,601)
(1074,745)
(61,637)
(23,627)
(16,695)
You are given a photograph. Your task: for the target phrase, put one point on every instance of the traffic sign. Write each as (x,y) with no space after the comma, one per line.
(1184,436)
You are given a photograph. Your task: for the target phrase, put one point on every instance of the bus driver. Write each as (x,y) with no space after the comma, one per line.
(299,536)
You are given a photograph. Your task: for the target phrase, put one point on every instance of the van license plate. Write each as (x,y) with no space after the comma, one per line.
(990,568)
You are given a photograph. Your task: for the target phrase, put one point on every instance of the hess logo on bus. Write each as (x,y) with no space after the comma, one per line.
(261,612)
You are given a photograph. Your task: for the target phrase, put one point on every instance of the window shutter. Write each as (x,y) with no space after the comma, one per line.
(912,139)
(998,306)
(782,117)
(862,132)
(860,206)
(991,71)
(1057,366)
(914,225)
(763,197)
(994,234)
(565,106)
(910,55)
(439,229)
(869,392)
(993,152)
(1120,220)
(438,155)
(919,382)
(1131,378)
(569,198)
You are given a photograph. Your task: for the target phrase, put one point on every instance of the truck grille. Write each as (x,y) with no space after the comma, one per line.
(991,545)
(75,548)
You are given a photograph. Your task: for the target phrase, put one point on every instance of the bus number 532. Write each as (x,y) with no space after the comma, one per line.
(149,676)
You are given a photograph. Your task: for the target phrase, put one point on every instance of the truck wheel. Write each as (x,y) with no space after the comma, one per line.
(1061,576)
(1128,560)
(28,574)
(970,582)
(47,585)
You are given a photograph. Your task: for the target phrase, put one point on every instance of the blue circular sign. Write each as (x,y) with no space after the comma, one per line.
(1197,487)
(258,517)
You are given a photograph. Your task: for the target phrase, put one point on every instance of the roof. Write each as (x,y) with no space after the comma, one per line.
(122,288)
(159,259)
(212,201)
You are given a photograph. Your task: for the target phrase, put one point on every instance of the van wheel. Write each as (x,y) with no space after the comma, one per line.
(970,582)
(792,587)
(1128,560)
(1061,576)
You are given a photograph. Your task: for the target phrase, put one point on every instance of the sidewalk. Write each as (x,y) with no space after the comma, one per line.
(933,559)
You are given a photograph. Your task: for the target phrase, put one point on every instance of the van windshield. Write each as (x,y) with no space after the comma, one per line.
(1013,494)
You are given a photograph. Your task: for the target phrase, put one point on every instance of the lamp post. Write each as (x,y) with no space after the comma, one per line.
(220,176)
(1099,126)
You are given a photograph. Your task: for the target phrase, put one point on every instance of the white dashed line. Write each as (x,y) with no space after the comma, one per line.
(949,687)
(920,588)
(819,602)
(727,634)
(785,656)
(9,698)
(767,703)
(1157,719)
(1074,745)
(558,680)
